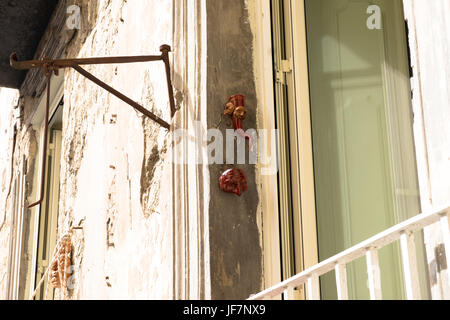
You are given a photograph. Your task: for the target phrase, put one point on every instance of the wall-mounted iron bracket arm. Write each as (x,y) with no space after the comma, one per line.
(53,65)
(56,64)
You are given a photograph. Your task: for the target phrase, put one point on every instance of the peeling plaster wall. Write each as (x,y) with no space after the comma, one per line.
(115,163)
(120,192)
(430,52)
(8,101)
(115,169)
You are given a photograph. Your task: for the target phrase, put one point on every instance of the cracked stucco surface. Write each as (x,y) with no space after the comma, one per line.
(8,100)
(124,249)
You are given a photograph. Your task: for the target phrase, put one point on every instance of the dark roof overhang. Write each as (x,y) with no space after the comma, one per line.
(22,24)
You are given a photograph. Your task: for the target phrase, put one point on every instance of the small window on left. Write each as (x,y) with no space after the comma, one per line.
(47,219)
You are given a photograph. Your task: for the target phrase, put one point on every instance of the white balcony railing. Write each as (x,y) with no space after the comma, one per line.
(369,248)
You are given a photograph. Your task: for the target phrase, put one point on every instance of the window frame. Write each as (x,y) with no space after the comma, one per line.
(300,120)
(57,93)
(261,21)
(16,242)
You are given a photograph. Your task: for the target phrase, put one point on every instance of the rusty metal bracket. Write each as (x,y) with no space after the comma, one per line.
(53,65)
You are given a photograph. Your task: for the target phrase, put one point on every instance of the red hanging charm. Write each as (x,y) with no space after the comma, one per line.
(233,181)
(238,112)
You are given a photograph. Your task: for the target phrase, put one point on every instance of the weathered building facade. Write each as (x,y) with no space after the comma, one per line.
(143,205)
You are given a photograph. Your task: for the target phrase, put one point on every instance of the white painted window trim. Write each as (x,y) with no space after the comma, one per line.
(190,224)
(15,248)
(263,65)
(260,21)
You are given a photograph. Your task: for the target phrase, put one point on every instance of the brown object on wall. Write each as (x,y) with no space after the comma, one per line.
(236,109)
(238,112)
(60,267)
(233,181)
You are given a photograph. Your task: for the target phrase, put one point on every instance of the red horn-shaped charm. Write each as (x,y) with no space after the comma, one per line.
(238,112)
(233,181)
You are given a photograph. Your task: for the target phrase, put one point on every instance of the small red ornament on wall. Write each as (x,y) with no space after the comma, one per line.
(233,181)
(238,112)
